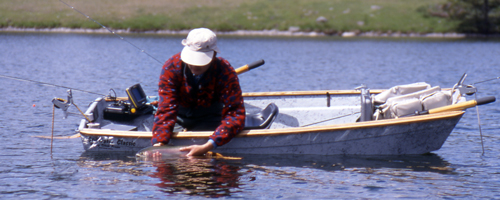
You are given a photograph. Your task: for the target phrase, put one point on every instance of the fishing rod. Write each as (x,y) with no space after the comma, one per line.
(49,84)
(111,31)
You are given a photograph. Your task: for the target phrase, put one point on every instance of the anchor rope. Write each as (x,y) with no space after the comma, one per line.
(111,31)
(52,135)
(81,112)
(479,124)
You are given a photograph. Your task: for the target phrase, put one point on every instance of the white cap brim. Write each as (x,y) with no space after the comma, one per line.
(196,58)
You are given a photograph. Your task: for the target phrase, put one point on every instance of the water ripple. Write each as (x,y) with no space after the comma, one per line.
(97,63)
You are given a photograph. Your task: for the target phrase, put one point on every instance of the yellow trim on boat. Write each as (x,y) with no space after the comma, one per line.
(296,130)
(300,93)
(289,93)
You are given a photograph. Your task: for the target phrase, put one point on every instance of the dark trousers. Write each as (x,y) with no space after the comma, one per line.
(207,123)
(199,119)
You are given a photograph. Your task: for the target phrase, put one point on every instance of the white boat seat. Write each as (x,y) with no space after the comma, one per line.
(262,119)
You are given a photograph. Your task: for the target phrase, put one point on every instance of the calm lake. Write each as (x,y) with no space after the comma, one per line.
(97,63)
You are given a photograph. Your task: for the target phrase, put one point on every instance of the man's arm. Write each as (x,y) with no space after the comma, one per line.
(233,113)
(166,114)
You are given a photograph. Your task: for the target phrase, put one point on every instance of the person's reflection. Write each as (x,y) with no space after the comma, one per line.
(198,176)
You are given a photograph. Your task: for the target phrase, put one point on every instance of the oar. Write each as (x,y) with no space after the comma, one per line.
(460,106)
(77,135)
(249,67)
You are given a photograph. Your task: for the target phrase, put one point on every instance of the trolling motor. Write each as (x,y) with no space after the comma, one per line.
(63,104)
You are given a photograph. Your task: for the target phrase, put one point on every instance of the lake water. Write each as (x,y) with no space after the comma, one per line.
(96,63)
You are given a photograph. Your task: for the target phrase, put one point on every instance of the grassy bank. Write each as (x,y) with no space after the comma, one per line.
(227,15)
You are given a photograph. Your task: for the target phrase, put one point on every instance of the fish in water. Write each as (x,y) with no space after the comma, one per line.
(166,152)
(161,152)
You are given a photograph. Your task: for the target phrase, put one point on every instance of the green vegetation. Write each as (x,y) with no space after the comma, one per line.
(473,16)
(228,15)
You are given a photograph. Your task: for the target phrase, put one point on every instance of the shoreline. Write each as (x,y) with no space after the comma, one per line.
(347,34)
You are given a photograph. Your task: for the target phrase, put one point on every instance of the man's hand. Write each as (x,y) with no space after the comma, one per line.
(198,150)
(154,155)
(158,144)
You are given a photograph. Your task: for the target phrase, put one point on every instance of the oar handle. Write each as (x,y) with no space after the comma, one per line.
(461,106)
(486,100)
(250,66)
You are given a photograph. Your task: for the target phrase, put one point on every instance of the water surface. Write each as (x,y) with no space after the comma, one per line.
(97,63)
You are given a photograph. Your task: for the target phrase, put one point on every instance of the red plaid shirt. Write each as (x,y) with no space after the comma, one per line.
(219,84)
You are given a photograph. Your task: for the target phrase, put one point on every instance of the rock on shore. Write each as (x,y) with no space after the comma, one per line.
(273,32)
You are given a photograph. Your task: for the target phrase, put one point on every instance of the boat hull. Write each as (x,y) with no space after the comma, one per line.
(403,136)
(403,139)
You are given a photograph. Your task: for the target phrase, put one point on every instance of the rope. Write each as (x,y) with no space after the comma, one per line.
(330,119)
(487,80)
(52,135)
(479,124)
(81,112)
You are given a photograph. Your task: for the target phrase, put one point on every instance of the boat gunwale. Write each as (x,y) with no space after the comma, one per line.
(284,131)
(316,92)
(287,93)
(303,93)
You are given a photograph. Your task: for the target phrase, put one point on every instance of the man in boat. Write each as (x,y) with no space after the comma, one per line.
(199,92)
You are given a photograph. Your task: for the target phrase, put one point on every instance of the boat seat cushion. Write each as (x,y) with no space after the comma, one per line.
(409,104)
(400,90)
(262,119)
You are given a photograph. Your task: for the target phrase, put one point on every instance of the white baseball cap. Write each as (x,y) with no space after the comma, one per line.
(199,47)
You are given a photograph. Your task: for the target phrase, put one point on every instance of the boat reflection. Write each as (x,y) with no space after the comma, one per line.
(427,162)
(215,177)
